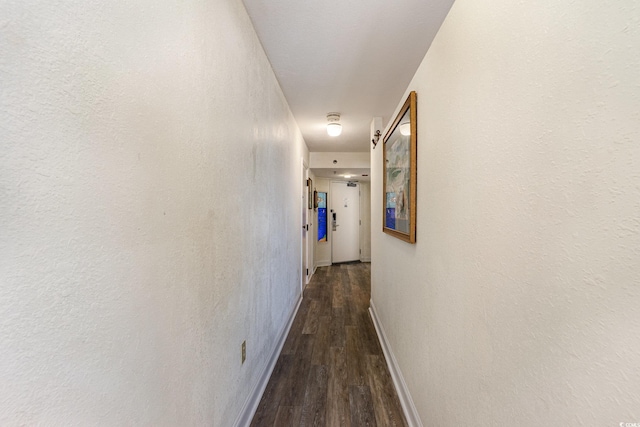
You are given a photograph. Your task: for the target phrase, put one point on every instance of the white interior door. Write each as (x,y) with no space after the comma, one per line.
(344,221)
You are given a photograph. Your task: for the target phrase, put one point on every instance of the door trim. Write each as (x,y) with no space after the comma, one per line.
(304,169)
(330,227)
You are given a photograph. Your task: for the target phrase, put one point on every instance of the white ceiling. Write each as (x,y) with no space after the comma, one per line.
(353,57)
(339,174)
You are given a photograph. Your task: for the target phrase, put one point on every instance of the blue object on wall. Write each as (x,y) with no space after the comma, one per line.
(322,217)
(390,211)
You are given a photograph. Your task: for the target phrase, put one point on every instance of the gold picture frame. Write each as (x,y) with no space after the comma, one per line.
(399,166)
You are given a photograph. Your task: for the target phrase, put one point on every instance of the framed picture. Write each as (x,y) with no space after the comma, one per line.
(310,193)
(322,216)
(399,173)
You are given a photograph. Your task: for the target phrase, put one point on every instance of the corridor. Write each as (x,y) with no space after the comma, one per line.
(331,371)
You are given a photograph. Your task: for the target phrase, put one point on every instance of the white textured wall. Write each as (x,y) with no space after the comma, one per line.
(149,212)
(518,305)
(365,221)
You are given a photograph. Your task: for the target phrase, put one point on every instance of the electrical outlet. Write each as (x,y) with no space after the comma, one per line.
(244,351)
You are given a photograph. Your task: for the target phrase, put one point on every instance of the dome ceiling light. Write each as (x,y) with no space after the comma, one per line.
(334,128)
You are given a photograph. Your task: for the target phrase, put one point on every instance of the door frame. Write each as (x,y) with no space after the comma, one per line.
(330,216)
(304,238)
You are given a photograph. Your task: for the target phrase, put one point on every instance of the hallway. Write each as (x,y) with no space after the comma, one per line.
(331,371)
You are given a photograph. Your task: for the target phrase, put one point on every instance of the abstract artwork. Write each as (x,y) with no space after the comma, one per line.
(321,202)
(400,147)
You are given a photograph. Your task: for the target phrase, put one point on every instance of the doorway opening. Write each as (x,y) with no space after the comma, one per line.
(345,221)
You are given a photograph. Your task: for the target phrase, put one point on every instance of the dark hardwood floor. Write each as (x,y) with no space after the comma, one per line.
(331,371)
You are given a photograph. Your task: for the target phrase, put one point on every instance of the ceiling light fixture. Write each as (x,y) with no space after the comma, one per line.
(334,128)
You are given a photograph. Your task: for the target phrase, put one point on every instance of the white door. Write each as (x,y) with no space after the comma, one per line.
(344,221)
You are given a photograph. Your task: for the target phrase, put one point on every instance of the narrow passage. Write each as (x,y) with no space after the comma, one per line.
(332,371)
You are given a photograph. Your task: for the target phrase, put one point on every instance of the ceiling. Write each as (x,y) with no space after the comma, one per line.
(341,174)
(352,57)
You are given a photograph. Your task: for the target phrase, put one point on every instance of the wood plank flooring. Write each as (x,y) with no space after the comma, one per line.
(331,371)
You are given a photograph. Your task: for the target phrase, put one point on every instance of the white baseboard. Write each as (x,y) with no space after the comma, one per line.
(408,407)
(323,264)
(365,259)
(251,404)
